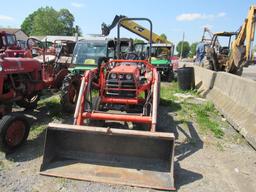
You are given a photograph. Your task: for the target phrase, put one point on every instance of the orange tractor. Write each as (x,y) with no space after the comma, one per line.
(114,137)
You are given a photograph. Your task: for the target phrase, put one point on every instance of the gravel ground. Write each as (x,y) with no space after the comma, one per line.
(202,162)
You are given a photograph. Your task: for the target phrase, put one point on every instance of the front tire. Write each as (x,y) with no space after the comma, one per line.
(14,130)
(69,92)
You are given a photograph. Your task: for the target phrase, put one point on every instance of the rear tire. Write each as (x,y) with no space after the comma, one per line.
(14,130)
(69,92)
(207,64)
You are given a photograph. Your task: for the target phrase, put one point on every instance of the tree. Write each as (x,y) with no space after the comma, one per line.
(185,50)
(68,21)
(26,26)
(163,37)
(138,41)
(48,21)
(193,49)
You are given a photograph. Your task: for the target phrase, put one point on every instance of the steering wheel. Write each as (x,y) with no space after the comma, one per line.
(33,43)
(131,56)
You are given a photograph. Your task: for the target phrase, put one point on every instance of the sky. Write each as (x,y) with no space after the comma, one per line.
(172,17)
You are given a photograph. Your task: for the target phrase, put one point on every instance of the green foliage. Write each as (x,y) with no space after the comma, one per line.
(193,49)
(48,21)
(185,50)
(26,26)
(163,36)
(205,115)
(138,41)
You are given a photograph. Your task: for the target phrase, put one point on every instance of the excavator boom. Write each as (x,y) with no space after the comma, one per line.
(134,28)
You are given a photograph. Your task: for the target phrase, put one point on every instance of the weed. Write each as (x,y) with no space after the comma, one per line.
(203,114)
(37,130)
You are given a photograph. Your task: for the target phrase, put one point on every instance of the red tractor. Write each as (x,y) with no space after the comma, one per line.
(55,59)
(21,80)
(114,138)
(9,45)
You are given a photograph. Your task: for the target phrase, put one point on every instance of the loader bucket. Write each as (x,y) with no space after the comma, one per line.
(115,156)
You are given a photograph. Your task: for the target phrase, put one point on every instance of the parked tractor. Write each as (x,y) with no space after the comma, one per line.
(55,59)
(21,81)
(86,56)
(123,94)
(10,47)
(160,57)
(237,51)
(162,48)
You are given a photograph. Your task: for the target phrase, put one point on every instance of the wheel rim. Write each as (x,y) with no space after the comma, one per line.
(72,94)
(15,133)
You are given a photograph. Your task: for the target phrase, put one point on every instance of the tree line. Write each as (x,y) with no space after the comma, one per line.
(48,21)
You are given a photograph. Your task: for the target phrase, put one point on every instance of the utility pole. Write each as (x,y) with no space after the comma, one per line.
(181,51)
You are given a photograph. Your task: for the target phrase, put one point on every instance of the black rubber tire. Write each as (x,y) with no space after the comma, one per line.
(169,75)
(29,103)
(5,123)
(70,81)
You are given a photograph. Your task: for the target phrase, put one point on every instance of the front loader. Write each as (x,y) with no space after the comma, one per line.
(114,138)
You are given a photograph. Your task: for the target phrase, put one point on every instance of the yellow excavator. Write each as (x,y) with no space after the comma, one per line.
(133,27)
(238,53)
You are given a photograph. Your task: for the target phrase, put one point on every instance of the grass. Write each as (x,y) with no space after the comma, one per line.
(36,130)
(203,114)
(53,106)
(53,111)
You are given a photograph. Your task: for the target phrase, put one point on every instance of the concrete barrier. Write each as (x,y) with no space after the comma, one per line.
(233,96)
(204,80)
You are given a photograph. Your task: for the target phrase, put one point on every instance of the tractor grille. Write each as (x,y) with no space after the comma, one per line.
(120,88)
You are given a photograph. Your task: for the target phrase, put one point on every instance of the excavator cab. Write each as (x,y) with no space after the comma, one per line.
(218,50)
(238,52)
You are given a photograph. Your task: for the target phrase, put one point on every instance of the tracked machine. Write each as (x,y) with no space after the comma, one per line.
(114,138)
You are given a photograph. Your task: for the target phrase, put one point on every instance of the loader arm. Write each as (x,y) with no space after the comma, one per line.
(241,46)
(134,28)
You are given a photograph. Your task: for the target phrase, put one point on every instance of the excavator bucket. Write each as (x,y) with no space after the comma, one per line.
(115,156)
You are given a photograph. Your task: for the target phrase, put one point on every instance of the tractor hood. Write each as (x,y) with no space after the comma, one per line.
(125,69)
(19,65)
(160,62)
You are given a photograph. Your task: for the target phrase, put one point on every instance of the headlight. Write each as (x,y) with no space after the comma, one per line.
(128,76)
(113,76)
(121,76)
(1,68)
